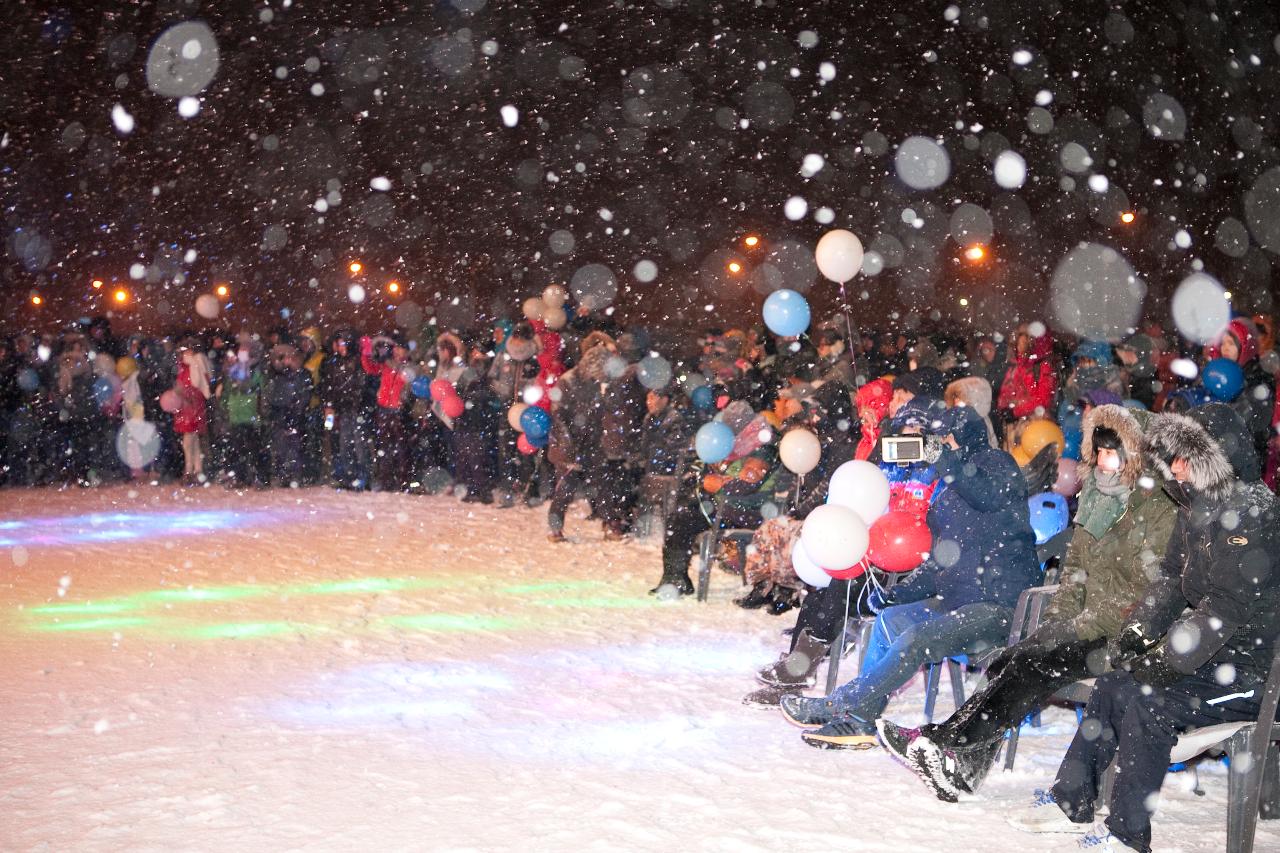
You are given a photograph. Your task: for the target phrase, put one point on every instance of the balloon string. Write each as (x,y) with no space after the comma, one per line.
(848,326)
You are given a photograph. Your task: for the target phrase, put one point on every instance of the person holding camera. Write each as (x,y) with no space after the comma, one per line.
(959,601)
(1122,527)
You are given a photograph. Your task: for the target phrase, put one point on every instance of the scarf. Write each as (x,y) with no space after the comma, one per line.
(1102,503)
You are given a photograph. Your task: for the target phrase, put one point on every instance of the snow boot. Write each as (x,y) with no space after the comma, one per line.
(758,597)
(800,667)
(767,697)
(851,733)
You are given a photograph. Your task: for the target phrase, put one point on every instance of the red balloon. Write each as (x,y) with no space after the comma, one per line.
(442,389)
(899,541)
(850,573)
(523,445)
(452,407)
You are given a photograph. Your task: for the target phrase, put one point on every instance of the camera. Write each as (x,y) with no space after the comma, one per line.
(902,449)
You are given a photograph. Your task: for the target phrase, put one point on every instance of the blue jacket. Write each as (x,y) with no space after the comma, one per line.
(983,546)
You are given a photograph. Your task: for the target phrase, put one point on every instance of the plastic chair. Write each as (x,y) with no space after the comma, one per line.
(709,549)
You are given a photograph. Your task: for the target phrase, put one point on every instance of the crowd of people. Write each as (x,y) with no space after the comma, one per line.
(1169,478)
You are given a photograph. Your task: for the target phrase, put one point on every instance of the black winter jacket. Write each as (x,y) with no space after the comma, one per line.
(1221,564)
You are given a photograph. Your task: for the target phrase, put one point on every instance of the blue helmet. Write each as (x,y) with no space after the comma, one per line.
(1049,515)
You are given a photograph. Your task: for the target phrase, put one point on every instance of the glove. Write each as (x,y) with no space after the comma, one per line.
(1132,642)
(1154,670)
(878,600)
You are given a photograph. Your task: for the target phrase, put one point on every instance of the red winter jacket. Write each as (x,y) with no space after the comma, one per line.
(391,388)
(1031,382)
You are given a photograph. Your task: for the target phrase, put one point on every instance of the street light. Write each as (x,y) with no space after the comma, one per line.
(964,302)
(36,300)
(735,267)
(1127,217)
(222,290)
(975,253)
(751,241)
(121,296)
(355,267)
(393,287)
(97,284)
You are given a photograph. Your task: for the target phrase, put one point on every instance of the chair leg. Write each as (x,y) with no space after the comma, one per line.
(1011,748)
(1269,801)
(1242,804)
(930,691)
(705,555)
(956,675)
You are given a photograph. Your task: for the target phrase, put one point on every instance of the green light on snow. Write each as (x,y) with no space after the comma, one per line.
(92,624)
(451,622)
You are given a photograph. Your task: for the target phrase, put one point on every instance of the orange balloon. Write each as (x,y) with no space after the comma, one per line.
(1038,435)
(1020,456)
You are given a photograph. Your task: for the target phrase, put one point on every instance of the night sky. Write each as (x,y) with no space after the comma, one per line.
(481,150)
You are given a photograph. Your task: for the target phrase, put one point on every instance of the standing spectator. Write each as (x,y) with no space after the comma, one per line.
(575,429)
(387,359)
(288,395)
(342,383)
(240,395)
(191,419)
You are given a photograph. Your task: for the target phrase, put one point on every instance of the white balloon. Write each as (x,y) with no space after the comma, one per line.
(555,296)
(835,537)
(513,415)
(839,255)
(207,306)
(555,318)
(861,487)
(800,451)
(808,571)
(533,308)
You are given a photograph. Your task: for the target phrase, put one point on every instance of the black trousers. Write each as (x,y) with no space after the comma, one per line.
(682,529)
(823,613)
(1138,726)
(1018,680)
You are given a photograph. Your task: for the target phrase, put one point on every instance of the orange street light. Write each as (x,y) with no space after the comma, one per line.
(735,267)
(976,252)
(1127,217)
(964,301)
(355,267)
(97,284)
(393,287)
(751,241)
(36,299)
(222,290)
(121,296)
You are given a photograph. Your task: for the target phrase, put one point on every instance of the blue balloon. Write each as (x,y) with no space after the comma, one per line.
(1049,515)
(714,442)
(421,387)
(702,398)
(1072,439)
(786,313)
(102,390)
(28,380)
(1223,379)
(536,424)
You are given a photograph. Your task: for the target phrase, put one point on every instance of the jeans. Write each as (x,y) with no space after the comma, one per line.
(351,449)
(907,636)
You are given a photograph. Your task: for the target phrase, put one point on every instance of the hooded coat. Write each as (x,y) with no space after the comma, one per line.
(974,392)
(1030,384)
(1254,404)
(576,418)
(983,545)
(1220,566)
(1102,576)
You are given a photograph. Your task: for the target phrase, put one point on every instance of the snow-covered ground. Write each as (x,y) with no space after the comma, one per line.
(207,670)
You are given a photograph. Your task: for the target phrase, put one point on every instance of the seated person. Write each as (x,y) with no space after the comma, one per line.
(1121,529)
(912,487)
(1177,670)
(959,602)
(732,493)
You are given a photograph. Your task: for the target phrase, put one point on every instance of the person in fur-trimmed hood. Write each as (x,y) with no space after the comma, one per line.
(1120,532)
(1197,648)
(574,447)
